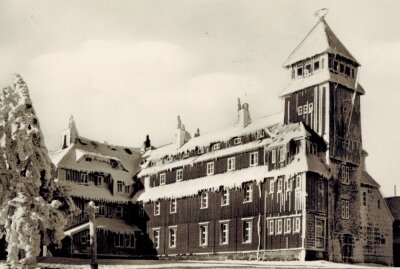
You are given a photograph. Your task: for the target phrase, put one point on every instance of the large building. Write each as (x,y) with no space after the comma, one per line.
(394,206)
(105,174)
(290,186)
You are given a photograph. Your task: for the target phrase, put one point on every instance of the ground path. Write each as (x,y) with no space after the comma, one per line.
(155,264)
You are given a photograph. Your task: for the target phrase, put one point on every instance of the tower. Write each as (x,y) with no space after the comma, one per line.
(70,134)
(323,92)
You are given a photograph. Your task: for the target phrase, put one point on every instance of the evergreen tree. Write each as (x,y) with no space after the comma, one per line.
(34,210)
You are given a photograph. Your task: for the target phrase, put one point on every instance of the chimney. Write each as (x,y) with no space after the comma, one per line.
(70,134)
(243,115)
(197,134)
(181,135)
(147,143)
(364,156)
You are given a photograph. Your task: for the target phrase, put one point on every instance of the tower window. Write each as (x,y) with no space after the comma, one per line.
(299,71)
(308,69)
(316,65)
(347,71)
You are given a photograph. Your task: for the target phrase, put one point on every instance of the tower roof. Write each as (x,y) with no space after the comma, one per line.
(319,40)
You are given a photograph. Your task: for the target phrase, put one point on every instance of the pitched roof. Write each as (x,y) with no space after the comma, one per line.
(217,136)
(283,134)
(367,179)
(394,205)
(319,40)
(108,224)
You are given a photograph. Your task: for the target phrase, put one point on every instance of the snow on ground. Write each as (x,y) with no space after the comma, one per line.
(153,264)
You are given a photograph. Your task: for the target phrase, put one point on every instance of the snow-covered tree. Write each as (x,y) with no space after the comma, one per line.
(33,208)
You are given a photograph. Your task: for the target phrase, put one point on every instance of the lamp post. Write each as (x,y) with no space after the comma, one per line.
(91,210)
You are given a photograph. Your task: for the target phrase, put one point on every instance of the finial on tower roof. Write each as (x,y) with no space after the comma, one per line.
(321,13)
(239,105)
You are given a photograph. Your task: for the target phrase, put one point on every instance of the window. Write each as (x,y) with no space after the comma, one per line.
(280,185)
(271,227)
(186,154)
(288,225)
(216,146)
(282,154)
(130,241)
(162,179)
(224,233)
(237,141)
(273,156)
(99,180)
(157,207)
(310,107)
(345,209)
(119,240)
(156,238)
(307,69)
(278,226)
(287,185)
(248,193)
(300,110)
(247,231)
(364,199)
(225,197)
(341,68)
(322,62)
(210,168)
(119,212)
(297,200)
(298,182)
(203,235)
(379,203)
(320,233)
(271,186)
(200,151)
(102,209)
(173,206)
(347,71)
(127,189)
(231,164)
(305,109)
(179,175)
(345,174)
(261,133)
(172,236)
(141,210)
(253,159)
(299,71)
(316,65)
(119,186)
(296,225)
(204,200)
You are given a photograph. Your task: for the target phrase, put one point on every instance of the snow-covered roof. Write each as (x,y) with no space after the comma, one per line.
(232,179)
(108,224)
(92,156)
(217,136)
(205,157)
(317,78)
(319,40)
(91,192)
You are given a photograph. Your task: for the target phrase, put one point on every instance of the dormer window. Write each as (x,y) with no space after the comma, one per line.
(216,146)
(186,154)
(237,141)
(260,134)
(200,151)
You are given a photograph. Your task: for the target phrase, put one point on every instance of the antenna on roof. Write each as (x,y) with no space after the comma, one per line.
(321,13)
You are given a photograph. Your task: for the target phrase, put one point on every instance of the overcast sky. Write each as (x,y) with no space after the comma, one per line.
(125,69)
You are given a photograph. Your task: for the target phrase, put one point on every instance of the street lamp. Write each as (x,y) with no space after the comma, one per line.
(92,209)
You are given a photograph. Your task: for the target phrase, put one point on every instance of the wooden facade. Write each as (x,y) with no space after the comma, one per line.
(294,213)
